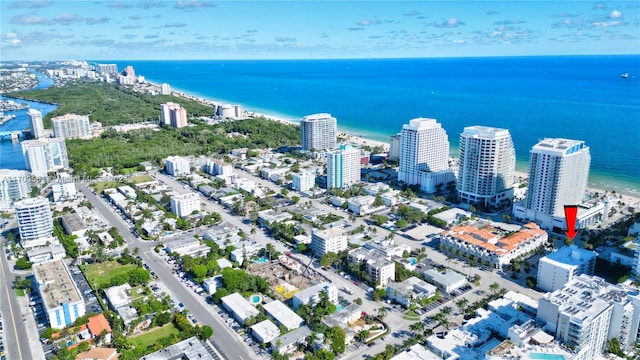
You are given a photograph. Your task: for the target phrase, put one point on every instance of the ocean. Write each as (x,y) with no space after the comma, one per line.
(575,97)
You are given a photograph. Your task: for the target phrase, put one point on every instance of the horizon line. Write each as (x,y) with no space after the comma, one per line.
(340,58)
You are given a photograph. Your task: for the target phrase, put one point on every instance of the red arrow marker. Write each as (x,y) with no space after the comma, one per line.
(570,215)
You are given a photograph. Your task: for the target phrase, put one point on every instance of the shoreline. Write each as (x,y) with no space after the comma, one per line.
(350,137)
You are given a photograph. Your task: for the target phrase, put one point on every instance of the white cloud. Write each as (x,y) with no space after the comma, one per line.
(449,23)
(615,14)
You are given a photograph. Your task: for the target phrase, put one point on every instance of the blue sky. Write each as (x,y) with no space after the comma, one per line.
(199,29)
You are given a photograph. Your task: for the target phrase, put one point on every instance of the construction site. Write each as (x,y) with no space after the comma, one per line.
(287,275)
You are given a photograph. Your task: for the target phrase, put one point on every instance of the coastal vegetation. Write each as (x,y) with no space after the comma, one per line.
(108,103)
(126,150)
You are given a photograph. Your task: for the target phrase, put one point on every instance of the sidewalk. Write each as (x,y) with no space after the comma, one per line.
(32,329)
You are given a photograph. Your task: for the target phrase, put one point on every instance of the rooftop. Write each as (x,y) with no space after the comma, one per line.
(571,255)
(266,330)
(189,349)
(283,315)
(55,283)
(240,306)
(416,352)
(338,318)
(495,240)
(292,336)
(118,295)
(74,222)
(98,323)
(559,146)
(449,277)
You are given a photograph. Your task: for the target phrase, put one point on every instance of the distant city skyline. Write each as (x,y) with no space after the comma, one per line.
(201,29)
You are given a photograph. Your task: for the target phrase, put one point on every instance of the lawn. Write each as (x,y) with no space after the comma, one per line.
(152,336)
(20,292)
(99,187)
(100,275)
(140,179)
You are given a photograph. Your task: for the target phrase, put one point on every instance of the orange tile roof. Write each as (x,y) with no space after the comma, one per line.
(97,324)
(481,237)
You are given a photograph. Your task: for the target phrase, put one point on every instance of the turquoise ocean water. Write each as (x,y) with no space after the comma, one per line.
(576,97)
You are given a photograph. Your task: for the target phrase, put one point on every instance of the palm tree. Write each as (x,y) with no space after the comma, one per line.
(382,312)
(446,310)
(494,288)
(270,250)
(416,326)
(444,322)
(461,304)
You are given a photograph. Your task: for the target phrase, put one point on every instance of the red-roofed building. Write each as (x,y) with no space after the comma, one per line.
(97,324)
(492,244)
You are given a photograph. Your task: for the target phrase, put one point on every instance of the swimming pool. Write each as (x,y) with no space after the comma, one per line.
(261,260)
(255,299)
(339,307)
(412,260)
(543,356)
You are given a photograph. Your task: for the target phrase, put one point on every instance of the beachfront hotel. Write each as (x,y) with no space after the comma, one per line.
(486,165)
(318,132)
(173,115)
(424,155)
(558,174)
(71,126)
(35,221)
(44,155)
(495,244)
(37,128)
(343,167)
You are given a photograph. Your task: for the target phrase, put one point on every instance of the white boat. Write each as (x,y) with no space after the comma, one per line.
(625,75)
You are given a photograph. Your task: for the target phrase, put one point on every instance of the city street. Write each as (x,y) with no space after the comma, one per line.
(225,340)
(15,332)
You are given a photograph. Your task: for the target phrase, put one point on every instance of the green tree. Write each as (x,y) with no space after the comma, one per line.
(382,312)
(494,287)
(206,332)
(338,339)
(22,263)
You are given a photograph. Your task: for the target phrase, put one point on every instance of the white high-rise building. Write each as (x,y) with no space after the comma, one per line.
(35,220)
(318,132)
(424,154)
(165,89)
(185,204)
(177,166)
(14,185)
(106,69)
(558,174)
(329,240)
(486,166)
(71,126)
(343,167)
(303,181)
(587,312)
(37,128)
(563,265)
(44,155)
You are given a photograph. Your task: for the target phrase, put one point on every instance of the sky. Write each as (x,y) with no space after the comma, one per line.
(202,29)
